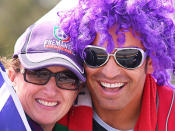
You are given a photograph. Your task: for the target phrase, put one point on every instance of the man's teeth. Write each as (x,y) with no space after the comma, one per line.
(46,103)
(114,85)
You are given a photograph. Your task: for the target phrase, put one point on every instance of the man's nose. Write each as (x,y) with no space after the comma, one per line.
(111,68)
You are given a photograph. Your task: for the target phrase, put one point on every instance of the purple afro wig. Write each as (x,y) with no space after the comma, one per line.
(152,19)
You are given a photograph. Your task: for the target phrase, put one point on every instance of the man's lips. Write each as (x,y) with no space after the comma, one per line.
(112,85)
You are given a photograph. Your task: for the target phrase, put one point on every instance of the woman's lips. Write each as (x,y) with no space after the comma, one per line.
(47,103)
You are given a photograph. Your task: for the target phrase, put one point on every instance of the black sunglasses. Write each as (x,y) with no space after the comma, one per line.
(65,79)
(129,58)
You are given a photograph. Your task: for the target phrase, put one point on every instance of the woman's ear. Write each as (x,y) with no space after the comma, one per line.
(12,74)
(149,65)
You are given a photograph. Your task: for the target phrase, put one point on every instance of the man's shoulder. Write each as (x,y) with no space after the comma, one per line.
(166,107)
(166,95)
(165,91)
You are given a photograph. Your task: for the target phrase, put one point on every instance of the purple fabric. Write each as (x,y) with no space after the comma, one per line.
(34,126)
(10,119)
(42,40)
(150,18)
(45,44)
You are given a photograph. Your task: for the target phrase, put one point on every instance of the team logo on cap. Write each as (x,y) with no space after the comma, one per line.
(60,35)
(61,43)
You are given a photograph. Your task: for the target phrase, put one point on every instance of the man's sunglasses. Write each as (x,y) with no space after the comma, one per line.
(64,79)
(129,58)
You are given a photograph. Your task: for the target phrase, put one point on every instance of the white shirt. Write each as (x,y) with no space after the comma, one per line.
(105,125)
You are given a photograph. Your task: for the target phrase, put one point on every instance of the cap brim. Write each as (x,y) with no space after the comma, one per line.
(40,60)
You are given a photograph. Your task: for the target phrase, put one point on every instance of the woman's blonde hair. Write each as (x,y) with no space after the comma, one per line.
(13,63)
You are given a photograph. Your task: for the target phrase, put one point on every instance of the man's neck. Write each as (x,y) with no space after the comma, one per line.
(123,119)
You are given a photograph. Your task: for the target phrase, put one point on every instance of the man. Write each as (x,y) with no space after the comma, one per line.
(127,47)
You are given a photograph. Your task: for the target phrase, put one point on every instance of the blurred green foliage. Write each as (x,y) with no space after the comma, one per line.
(15,17)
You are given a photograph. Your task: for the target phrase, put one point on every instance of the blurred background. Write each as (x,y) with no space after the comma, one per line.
(16,16)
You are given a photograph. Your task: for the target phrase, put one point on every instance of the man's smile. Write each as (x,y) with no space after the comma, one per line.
(111,85)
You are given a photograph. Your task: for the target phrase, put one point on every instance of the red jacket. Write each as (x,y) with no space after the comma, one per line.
(157,110)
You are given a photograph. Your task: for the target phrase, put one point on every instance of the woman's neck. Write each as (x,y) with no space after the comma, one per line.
(47,127)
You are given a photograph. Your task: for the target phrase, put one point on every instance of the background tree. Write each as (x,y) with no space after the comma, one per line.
(16,16)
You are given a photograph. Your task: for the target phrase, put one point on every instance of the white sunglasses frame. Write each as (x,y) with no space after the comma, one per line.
(144,54)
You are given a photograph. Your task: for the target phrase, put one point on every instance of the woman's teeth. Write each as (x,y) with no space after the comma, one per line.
(46,103)
(114,85)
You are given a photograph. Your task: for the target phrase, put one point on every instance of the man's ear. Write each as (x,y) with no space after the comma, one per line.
(149,65)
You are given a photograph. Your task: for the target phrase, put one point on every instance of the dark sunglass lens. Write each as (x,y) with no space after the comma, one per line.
(37,76)
(94,57)
(129,58)
(67,80)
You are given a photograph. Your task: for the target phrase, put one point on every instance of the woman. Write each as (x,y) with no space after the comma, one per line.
(46,73)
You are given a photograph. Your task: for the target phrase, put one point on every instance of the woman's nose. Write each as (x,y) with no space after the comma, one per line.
(51,88)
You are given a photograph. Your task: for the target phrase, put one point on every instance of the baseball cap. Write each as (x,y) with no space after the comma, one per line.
(45,44)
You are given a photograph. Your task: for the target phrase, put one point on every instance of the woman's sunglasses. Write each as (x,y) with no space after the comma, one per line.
(64,79)
(129,58)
